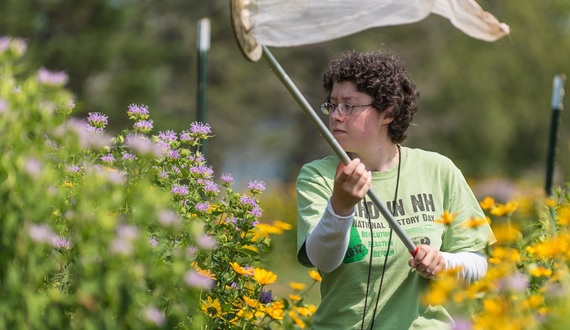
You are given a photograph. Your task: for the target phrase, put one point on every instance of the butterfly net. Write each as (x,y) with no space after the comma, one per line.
(286,23)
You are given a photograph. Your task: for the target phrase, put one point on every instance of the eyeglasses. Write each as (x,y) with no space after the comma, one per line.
(344,108)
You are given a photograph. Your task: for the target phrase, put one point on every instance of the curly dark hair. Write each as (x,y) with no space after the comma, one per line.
(385,78)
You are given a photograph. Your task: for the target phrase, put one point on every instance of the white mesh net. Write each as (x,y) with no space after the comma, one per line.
(285,23)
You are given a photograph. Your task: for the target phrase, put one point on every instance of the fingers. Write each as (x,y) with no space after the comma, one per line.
(350,185)
(428,261)
(353,177)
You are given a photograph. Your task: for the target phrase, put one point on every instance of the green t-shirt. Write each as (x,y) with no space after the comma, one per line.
(429,184)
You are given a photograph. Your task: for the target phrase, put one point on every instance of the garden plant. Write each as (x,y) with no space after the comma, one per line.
(136,231)
(125,231)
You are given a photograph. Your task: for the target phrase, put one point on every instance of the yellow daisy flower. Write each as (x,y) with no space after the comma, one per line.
(263,276)
(212,307)
(250,302)
(487,203)
(294,297)
(282,225)
(504,209)
(540,271)
(315,275)
(297,286)
(563,215)
(275,311)
(475,222)
(297,320)
(203,272)
(446,218)
(240,270)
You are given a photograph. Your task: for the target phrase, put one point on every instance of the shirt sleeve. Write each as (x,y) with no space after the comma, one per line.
(314,187)
(473,265)
(326,245)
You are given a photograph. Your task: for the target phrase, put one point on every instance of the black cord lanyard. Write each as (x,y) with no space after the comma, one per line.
(372,250)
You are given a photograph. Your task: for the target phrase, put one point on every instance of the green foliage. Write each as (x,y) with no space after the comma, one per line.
(124,232)
(76,236)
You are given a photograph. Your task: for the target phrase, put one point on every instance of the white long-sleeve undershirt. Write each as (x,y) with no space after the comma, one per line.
(326,247)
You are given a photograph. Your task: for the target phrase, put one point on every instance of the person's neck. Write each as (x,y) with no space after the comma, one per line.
(381,159)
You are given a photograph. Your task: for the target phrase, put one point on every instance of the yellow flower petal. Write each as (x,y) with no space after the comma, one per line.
(263,276)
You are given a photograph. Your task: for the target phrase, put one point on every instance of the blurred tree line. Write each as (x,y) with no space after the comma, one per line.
(485,105)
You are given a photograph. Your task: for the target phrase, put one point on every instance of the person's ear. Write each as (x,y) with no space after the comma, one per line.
(387,120)
(387,117)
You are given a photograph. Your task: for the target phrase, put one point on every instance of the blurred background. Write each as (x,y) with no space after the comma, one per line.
(484,105)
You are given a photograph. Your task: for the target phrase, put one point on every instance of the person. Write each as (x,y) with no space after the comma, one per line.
(370,280)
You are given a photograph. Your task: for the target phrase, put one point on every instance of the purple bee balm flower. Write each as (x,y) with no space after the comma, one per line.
(128,156)
(211,187)
(256,211)
(33,167)
(4,43)
(3,105)
(200,129)
(517,282)
(108,158)
(94,130)
(61,243)
(202,206)
(167,137)
(121,247)
(168,218)
(143,126)
(202,171)
(227,179)
(186,137)
(41,233)
(153,315)
(180,190)
(17,45)
(266,297)
(153,241)
(232,220)
(117,178)
(73,169)
(127,232)
(246,200)
(52,78)
(97,120)
(206,242)
(173,154)
(44,234)
(138,111)
(197,158)
(142,145)
(256,186)
(196,280)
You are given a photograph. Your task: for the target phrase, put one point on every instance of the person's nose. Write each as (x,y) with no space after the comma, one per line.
(336,115)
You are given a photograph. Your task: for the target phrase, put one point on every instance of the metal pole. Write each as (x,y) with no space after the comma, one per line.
(306,107)
(556,105)
(203,49)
